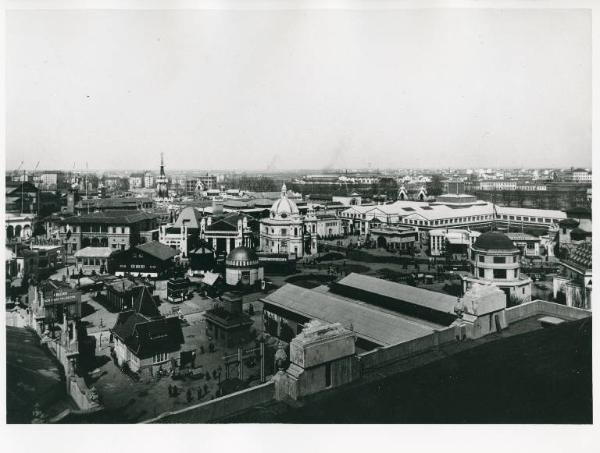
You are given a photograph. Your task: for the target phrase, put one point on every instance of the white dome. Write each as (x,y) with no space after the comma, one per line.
(284,206)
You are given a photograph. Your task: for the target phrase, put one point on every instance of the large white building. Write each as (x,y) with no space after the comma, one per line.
(286,231)
(449,211)
(495,260)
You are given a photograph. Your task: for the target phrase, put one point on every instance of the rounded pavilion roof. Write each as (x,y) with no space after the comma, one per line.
(241,256)
(284,206)
(494,240)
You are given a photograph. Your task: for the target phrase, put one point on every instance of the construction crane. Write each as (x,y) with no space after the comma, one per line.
(18,169)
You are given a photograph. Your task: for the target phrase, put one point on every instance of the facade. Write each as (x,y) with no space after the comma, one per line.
(88,205)
(120,293)
(223,233)
(52,301)
(148,180)
(452,242)
(581,175)
(18,227)
(528,244)
(151,259)
(136,181)
(574,280)
(286,231)
(400,238)
(448,211)
(495,260)
(328,226)
(227,323)
(94,260)
(119,230)
(242,267)
(144,340)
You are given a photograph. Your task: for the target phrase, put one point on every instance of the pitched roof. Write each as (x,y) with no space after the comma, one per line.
(581,257)
(158,250)
(367,322)
(143,333)
(402,293)
(94,252)
(143,302)
(190,217)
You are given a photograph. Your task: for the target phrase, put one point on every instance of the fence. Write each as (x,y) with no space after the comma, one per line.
(221,407)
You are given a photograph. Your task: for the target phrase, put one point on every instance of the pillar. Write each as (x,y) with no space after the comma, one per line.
(240,365)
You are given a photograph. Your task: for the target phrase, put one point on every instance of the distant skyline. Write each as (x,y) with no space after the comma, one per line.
(283,90)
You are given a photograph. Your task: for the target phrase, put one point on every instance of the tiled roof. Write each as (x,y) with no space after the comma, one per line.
(581,257)
(369,323)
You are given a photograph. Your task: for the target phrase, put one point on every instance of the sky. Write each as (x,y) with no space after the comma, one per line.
(282,90)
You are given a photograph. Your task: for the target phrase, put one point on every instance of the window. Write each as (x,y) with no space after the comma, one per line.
(328,375)
(500,273)
(160,357)
(481,258)
(283,231)
(481,272)
(499,259)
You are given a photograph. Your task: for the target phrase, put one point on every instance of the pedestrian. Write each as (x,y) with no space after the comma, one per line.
(205,389)
(207,376)
(189,396)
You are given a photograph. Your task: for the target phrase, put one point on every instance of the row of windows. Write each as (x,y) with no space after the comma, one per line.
(91,261)
(497,259)
(160,357)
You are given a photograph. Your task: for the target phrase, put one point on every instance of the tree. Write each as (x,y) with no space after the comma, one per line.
(436,187)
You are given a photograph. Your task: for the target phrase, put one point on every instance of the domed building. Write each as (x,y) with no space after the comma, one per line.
(242,266)
(285,231)
(495,260)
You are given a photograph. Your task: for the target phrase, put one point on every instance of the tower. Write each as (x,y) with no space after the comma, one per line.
(162,182)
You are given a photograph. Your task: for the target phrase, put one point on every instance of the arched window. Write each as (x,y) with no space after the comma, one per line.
(10,232)
(295,231)
(18,231)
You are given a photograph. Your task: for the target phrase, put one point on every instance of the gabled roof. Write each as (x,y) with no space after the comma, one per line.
(144,331)
(190,217)
(417,296)
(143,302)
(226,223)
(367,322)
(158,250)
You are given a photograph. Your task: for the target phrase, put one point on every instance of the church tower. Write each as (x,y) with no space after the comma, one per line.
(162,182)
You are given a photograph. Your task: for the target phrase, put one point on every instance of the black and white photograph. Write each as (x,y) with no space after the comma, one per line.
(298,213)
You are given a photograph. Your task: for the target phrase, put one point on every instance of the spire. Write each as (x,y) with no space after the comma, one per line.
(162,165)
(283,190)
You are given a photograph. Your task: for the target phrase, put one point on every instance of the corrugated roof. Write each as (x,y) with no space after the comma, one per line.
(368,323)
(406,293)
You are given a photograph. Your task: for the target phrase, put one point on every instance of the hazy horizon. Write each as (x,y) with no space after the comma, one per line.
(273,91)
